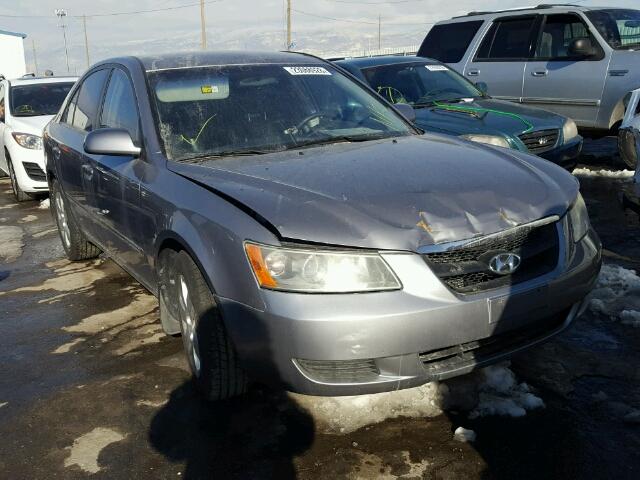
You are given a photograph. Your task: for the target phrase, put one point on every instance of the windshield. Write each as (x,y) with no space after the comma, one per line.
(619,27)
(419,84)
(37,98)
(264,108)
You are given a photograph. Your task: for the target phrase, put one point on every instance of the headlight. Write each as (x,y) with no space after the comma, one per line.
(579,219)
(488,139)
(26,140)
(569,130)
(319,271)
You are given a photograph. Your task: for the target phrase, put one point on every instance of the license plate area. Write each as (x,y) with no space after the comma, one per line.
(518,309)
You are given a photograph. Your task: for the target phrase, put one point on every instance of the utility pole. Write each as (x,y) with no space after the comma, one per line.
(203,27)
(86,40)
(288,24)
(61,13)
(35,58)
(379,32)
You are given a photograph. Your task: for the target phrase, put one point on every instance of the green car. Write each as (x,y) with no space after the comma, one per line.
(446,102)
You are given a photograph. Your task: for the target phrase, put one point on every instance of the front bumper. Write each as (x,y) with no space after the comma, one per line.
(565,155)
(29,167)
(399,331)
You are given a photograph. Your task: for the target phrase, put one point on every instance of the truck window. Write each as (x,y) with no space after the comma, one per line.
(508,39)
(558,33)
(449,42)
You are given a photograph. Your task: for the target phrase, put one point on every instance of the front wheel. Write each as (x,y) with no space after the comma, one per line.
(74,242)
(211,355)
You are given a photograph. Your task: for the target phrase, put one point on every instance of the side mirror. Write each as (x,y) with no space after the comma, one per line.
(111,141)
(581,47)
(406,111)
(482,86)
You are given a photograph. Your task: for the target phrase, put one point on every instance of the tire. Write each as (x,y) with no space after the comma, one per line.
(17,191)
(74,242)
(211,356)
(629,147)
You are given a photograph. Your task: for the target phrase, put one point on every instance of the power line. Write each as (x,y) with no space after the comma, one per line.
(364,22)
(114,14)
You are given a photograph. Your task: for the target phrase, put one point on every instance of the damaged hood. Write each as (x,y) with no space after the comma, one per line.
(390,194)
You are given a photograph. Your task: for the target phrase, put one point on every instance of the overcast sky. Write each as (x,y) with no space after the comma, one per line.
(322,26)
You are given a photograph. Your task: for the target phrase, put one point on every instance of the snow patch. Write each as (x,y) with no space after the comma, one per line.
(464,435)
(45,204)
(3,404)
(615,174)
(85,449)
(501,394)
(617,295)
(347,414)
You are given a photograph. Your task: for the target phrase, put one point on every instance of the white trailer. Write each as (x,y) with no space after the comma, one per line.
(12,63)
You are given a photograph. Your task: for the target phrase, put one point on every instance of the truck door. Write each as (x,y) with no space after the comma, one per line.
(501,58)
(558,79)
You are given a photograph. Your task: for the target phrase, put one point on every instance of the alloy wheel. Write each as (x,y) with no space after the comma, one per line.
(188,321)
(61,215)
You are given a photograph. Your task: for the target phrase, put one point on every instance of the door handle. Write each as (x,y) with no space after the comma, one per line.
(473,73)
(540,73)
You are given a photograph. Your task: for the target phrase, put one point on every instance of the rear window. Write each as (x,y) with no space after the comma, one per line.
(449,42)
(508,39)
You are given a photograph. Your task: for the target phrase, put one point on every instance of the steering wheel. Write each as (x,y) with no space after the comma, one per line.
(304,126)
(392,94)
(435,91)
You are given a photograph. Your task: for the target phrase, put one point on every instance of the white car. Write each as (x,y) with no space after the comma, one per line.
(26,106)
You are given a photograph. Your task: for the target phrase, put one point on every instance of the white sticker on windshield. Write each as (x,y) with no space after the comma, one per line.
(436,68)
(307,70)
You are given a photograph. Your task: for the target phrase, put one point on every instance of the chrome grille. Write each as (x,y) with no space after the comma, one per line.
(465,269)
(541,140)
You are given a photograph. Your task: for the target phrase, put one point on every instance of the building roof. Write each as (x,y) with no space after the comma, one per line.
(13,34)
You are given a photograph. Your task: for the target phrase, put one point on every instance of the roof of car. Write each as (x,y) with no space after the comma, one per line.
(531,9)
(204,58)
(367,62)
(28,80)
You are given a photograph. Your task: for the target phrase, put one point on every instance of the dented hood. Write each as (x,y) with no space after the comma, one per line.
(390,194)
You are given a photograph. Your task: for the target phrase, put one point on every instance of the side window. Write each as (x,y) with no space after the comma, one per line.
(508,39)
(67,116)
(89,100)
(119,109)
(448,43)
(558,33)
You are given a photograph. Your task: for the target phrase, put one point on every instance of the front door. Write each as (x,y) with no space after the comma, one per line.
(117,180)
(502,56)
(557,81)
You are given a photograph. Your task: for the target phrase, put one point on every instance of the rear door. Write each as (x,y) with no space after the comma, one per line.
(501,57)
(557,81)
(77,120)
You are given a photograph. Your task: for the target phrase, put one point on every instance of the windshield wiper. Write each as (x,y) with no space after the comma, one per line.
(227,153)
(338,139)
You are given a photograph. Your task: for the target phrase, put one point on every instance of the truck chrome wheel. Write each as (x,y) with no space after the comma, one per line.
(61,216)
(188,324)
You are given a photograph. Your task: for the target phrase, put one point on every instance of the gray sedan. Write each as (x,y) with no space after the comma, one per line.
(299,231)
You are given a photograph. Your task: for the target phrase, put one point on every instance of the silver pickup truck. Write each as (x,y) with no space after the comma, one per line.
(577,61)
